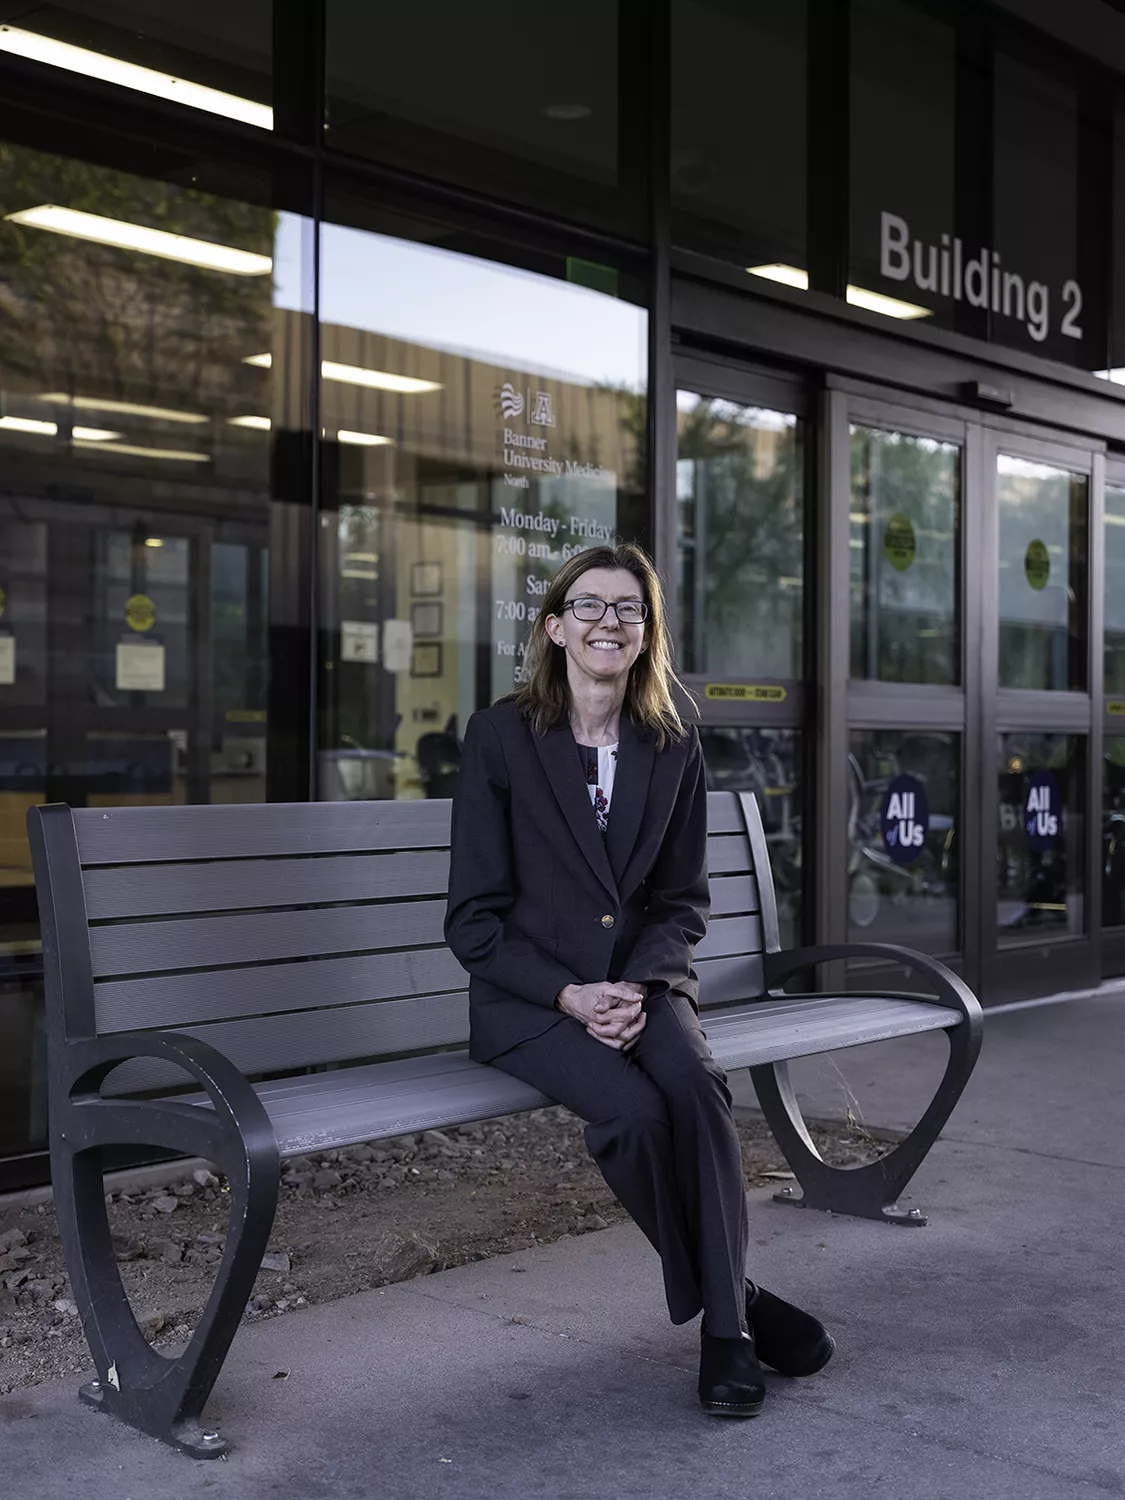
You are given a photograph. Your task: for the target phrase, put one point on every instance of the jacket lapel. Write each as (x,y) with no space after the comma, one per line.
(635,757)
(560,759)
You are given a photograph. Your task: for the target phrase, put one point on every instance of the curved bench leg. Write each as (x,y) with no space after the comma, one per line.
(159,1394)
(871,1191)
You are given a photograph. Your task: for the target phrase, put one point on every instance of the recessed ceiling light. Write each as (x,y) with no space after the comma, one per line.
(129,450)
(858,296)
(46,49)
(376,380)
(567,111)
(126,408)
(259,424)
(362,439)
(120,235)
(50,429)
(154,541)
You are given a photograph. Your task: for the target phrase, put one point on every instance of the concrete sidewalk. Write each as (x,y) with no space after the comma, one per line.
(981,1356)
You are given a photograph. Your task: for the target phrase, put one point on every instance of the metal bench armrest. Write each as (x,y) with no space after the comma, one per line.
(952,991)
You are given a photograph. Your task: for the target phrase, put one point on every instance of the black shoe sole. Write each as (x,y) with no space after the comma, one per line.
(727,1409)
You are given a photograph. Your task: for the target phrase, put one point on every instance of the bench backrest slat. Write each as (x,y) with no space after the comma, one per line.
(299,935)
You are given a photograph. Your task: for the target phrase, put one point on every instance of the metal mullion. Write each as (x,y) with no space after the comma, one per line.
(1015,440)
(985,531)
(869,411)
(1095,769)
(833,639)
(1044,711)
(978,885)
(730,381)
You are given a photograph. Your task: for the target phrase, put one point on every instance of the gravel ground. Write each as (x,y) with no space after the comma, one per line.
(347,1220)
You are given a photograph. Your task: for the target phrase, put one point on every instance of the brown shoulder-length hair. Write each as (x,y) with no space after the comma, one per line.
(544,695)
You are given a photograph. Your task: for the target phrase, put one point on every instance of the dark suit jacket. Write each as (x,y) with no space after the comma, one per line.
(537,899)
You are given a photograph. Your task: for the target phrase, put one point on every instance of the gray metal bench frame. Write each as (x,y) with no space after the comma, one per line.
(227,942)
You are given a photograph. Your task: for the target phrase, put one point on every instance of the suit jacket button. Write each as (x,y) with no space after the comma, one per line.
(607,920)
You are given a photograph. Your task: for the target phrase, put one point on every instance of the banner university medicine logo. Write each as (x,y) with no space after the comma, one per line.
(1042,810)
(905,820)
(511,402)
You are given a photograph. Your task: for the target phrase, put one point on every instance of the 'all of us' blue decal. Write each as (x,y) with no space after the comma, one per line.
(905,819)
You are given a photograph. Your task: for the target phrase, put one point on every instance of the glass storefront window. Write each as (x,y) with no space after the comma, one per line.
(766,762)
(1113,832)
(482,424)
(905,546)
(740,509)
(1040,838)
(1042,584)
(147,366)
(1114,544)
(520,102)
(904,799)
(738,170)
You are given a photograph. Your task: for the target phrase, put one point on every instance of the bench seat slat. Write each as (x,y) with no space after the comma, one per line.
(205,942)
(150,835)
(309,1038)
(235,885)
(733,893)
(383,1099)
(178,1000)
(727,935)
(121,891)
(729,855)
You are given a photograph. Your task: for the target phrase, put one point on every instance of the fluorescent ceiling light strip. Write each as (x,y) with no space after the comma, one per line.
(45,49)
(178,455)
(125,408)
(362,439)
(858,296)
(78,225)
(376,380)
(259,424)
(50,429)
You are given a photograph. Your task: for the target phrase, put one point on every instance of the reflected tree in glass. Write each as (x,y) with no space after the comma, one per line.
(740,495)
(905,587)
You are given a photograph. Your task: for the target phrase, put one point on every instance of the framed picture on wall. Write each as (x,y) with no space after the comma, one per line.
(425,578)
(426,618)
(425,660)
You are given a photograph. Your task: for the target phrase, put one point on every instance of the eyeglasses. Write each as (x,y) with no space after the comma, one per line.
(588,608)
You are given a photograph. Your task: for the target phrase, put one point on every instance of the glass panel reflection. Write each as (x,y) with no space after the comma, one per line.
(766,762)
(740,493)
(482,424)
(1114,542)
(903,847)
(1113,832)
(905,584)
(1039,853)
(1042,584)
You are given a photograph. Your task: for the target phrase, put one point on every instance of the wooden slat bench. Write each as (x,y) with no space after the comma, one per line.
(189,948)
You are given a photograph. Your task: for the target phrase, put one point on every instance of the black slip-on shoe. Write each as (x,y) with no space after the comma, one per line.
(730,1377)
(790,1341)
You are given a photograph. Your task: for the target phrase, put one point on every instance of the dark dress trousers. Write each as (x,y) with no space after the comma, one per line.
(538,900)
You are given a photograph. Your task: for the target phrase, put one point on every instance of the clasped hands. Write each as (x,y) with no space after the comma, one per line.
(611,1013)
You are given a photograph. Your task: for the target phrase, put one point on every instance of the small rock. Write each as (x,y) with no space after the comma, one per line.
(11,1238)
(326,1179)
(209,1238)
(396,1257)
(435,1138)
(166,1204)
(203,1178)
(276,1260)
(125,1249)
(152,1324)
(65,1305)
(261,1303)
(184,1190)
(594,1221)
(167,1251)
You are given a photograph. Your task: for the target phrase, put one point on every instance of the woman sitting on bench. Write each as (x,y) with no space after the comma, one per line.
(578,890)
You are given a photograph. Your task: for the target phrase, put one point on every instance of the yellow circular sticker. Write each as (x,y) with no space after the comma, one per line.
(1037,564)
(140,613)
(898,542)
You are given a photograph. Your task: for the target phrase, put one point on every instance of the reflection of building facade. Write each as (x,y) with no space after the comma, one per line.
(310,378)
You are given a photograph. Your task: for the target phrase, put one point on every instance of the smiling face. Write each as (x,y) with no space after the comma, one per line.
(600,650)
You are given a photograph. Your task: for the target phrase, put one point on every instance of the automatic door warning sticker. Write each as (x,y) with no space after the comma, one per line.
(746,692)
(140,613)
